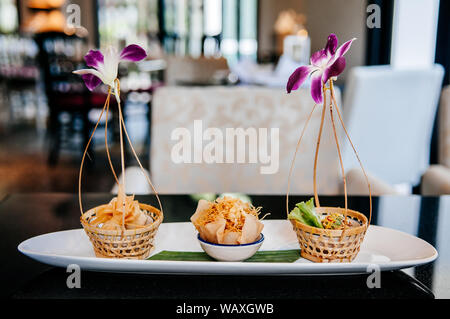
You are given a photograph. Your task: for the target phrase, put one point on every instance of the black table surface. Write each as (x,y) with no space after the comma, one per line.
(26,215)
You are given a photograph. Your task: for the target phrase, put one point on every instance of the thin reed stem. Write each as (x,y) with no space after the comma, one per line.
(356,154)
(140,165)
(339,153)
(316,197)
(80,174)
(106,141)
(122,152)
(295,156)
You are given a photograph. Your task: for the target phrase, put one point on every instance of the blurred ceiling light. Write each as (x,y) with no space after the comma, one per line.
(45,4)
(302,33)
(289,22)
(53,21)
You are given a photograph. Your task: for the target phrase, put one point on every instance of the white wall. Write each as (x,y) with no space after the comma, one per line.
(345,18)
(414,33)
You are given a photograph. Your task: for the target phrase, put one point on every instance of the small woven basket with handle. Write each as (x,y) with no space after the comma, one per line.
(326,245)
(120,243)
(331,245)
(130,244)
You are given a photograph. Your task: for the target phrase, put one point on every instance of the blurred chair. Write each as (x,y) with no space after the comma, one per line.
(188,70)
(57,59)
(241,107)
(67,96)
(389,115)
(357,185)
(436,180)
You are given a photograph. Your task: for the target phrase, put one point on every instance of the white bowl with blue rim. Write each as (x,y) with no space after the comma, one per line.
(223,252)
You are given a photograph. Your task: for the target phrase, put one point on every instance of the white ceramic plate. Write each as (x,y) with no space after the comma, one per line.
(389,249)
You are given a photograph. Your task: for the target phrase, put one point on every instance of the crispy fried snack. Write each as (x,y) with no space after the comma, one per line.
(111,216)
(227,221)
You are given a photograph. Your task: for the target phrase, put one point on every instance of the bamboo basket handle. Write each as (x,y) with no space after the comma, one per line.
(80,174)
(354,151)
(316,197)
(295,155)
(332,102)
(140,164)
(121,125)
(316,156)
(341,163)
(107,147)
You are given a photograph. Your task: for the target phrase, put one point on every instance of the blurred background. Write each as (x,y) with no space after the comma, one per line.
(225,62)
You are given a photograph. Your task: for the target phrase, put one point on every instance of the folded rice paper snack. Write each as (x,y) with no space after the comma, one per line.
(227,221)
(111,216)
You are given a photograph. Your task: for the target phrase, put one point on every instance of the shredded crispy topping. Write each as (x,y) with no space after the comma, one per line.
(231,209)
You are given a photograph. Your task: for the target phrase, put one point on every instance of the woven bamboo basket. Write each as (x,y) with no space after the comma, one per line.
(327,245)
(130,244)
(324,245)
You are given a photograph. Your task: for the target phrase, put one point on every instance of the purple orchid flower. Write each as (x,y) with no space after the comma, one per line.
(325,64)
(105,67)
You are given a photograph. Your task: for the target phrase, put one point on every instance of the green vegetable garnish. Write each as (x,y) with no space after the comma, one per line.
(306,213)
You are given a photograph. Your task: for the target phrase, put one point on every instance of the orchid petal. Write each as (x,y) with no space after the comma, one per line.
(111,66)
(316,87)
(325,64)
(91,81)
(94,58)
(335,69)
(84,74)
(344,48)
(89,71)
(105,66)
(133,53)
(298,77)
(331,46)
(319,58)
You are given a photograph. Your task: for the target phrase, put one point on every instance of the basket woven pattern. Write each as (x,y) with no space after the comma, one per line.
(323,245)
(130,244)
